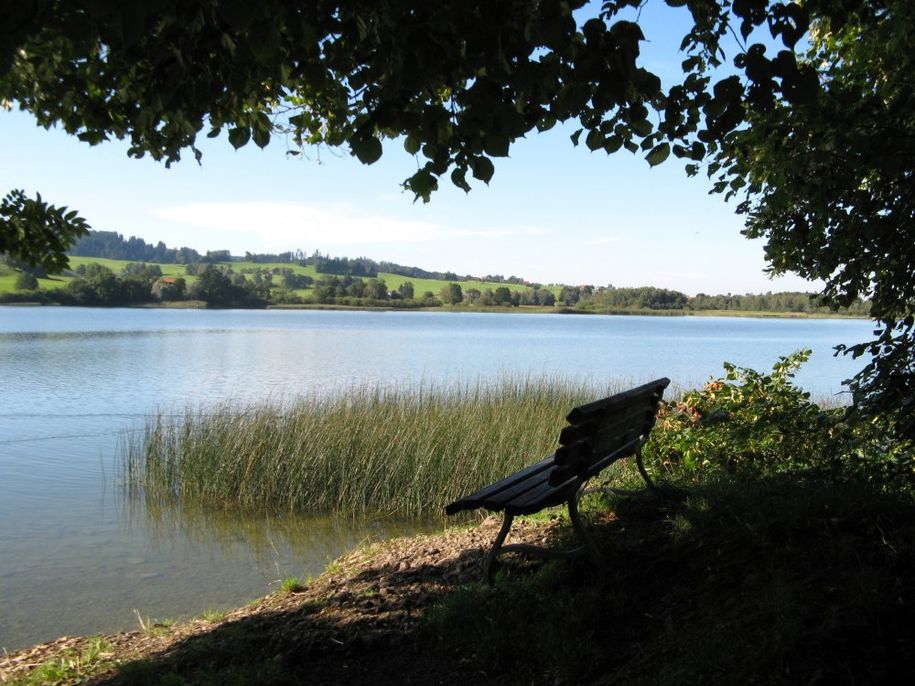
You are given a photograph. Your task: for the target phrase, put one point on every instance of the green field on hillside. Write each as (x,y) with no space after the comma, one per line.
(117,266)
(8,280)
(392,281)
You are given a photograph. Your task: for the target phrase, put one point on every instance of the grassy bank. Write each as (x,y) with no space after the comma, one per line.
(372,450)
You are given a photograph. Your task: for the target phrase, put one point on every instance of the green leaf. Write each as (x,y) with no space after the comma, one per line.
(411,145)
(658,154)
(612,144)
(642,128)
(239,136)
(595,140)
(482,169)
(802,87)
(227,43)
(422,183)
(261,137)
(457,178)
(575,136)
(368,150)
(495,144)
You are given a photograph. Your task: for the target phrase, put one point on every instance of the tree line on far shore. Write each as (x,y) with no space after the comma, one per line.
(354,281)
(220,285)
(113,245)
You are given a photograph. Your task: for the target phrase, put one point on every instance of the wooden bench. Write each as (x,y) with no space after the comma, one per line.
(598,434)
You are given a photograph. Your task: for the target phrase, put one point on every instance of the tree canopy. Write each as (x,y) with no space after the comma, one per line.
(37,233)
(458,82)
(809,122)
(830,186)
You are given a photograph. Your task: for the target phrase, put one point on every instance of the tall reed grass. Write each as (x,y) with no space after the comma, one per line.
(373,450)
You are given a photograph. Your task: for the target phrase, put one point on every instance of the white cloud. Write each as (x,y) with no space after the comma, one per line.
(286,225)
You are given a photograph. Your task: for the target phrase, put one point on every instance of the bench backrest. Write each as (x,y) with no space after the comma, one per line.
(606,430)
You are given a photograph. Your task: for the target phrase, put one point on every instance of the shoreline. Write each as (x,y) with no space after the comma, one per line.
(403,574)
(683,577)
(525,309)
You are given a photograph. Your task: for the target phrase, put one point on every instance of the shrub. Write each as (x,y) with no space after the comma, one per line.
(26,281)
(748,421)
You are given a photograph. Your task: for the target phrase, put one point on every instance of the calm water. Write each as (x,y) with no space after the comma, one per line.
(77,556)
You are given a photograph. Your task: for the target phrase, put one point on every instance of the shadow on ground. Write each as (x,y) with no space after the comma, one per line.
(766,582)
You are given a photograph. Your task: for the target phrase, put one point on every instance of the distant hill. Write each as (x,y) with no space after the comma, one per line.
(325,279)
(112,245)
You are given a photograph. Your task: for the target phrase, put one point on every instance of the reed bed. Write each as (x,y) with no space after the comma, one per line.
(372,450)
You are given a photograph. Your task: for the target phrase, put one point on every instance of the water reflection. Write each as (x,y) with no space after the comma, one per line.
(70,336)
(94,569)
(321,538)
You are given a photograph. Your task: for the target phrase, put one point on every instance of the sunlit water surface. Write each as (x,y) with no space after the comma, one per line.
(78,556)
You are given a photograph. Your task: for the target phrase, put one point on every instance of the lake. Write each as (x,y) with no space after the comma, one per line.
(77,555)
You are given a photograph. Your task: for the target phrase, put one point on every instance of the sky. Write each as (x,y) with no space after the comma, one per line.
(552,213)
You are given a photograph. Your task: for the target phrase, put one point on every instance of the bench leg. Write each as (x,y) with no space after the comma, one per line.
(641,467)
(496,548)
(582,532)
(539,551)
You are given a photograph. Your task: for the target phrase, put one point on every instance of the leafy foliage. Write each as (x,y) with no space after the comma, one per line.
(215,288)
(452,294)
(459,82)
(35,232)
(113,245)
(26,281)
(762,423)
(829,184)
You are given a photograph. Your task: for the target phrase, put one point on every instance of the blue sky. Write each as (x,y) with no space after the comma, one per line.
(552,213)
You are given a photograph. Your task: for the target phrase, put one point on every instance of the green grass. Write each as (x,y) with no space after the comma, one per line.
(770,581)
(8,282)
(421,285)
(292,584)
(371,450)
(71,667)
(8,277)
(117,266)
(213,616)
(391,280)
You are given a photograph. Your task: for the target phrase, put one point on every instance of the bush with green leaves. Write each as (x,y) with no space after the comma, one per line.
(753,422)
(26,281)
